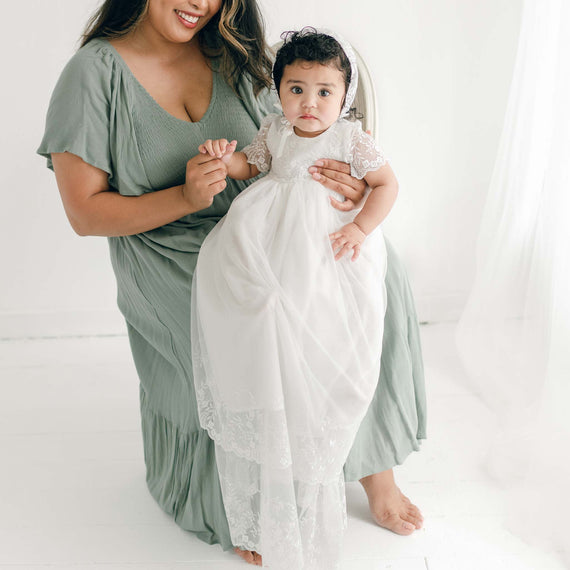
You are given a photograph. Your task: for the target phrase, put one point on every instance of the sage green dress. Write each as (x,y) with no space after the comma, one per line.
(101,113)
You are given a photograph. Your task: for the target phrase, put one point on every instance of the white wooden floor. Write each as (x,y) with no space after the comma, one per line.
(73,494)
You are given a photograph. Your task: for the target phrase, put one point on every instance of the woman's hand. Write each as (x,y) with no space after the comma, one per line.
(335,175)
(347,238)
(205,177)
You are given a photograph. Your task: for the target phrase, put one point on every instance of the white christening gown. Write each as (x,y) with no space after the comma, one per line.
(286,346)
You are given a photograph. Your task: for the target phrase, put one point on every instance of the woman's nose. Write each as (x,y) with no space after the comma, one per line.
(197,4)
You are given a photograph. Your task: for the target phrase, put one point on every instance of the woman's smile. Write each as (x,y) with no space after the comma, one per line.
(178,21)
(187,19)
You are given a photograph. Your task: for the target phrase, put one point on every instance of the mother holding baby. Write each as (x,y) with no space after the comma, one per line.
(151,82)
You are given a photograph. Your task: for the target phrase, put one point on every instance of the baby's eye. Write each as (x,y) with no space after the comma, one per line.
(324,92)
(296,89)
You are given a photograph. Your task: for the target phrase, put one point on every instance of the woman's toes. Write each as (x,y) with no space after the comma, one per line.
(413,511)
(406,527)
(396,524)
(413,520)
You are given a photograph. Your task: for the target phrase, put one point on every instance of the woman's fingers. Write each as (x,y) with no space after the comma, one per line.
(212,165)
(337,171)
(335,175)
(345,206)
(336,165)
(205,177)
(338,182)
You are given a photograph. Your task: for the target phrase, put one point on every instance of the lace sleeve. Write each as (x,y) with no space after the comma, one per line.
(257,152)
(365,154)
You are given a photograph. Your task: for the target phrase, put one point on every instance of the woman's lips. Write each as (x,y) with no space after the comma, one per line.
(187,19)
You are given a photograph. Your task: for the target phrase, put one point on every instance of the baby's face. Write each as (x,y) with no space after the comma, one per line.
(311,96)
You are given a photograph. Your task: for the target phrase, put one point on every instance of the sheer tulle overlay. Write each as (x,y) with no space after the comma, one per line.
(286,346)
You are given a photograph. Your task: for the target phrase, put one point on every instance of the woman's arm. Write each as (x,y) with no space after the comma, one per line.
(93,208)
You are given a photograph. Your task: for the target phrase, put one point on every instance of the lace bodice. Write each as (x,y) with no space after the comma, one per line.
(276,147)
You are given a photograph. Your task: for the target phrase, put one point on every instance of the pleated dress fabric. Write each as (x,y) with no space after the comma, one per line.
(101,113)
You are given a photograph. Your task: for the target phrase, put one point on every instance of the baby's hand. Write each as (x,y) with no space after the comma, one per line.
(220,148)
(347,238)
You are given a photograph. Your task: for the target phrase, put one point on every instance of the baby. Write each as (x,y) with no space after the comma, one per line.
(288,305)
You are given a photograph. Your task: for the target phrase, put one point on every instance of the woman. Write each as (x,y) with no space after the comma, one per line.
(153,79)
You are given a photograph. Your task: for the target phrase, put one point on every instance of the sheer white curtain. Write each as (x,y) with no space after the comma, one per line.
(514,335)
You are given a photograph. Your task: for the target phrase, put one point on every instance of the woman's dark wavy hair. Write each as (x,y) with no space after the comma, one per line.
(309,45)
(235,36)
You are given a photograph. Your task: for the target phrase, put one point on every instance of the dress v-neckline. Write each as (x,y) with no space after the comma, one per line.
(155,103)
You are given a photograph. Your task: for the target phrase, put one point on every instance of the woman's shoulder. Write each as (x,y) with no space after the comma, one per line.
(78,116)
(92,62)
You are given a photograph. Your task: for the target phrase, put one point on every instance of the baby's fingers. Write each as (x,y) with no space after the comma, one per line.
(207,147)
(230,149)
(219,146)
(356,252)
(343,250)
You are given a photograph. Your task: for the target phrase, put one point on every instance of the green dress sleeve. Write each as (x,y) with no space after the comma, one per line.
(78,117)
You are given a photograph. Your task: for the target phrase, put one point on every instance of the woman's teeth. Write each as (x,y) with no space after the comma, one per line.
(187,17)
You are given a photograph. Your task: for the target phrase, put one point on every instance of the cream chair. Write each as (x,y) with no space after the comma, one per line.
(365,100)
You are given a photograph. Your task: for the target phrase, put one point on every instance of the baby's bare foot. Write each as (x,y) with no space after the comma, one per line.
(249,556)
(390,508)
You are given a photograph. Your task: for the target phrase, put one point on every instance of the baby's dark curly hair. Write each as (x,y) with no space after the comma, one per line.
(309,45)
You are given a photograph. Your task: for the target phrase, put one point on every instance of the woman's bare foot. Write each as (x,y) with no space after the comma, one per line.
(249,556)
(390,508)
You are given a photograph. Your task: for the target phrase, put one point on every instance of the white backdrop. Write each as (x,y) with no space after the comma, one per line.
(442,69)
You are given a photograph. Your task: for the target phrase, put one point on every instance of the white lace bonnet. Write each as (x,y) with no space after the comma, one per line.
(349,52)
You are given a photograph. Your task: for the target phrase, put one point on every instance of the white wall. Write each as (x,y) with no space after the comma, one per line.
(442,69)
